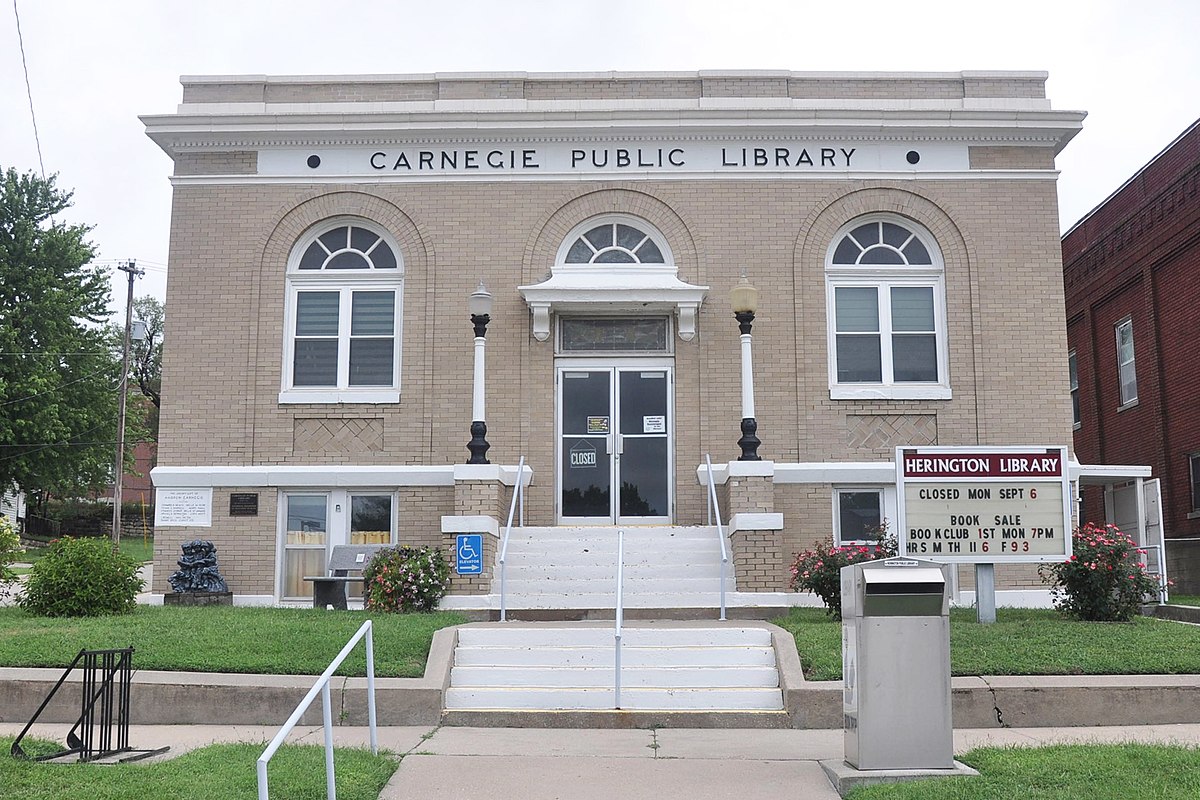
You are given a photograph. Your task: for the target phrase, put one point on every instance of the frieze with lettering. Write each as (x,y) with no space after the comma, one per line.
(684,158)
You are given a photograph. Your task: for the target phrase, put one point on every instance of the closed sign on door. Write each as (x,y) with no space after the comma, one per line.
(583,455)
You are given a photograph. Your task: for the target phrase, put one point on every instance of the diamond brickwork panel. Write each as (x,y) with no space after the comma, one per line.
(883,432)
(353,435)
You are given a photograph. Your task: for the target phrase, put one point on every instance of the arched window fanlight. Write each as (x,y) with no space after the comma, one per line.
(880,243)
(614,243)
(348,247)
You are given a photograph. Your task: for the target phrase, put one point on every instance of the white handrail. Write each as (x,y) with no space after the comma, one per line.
(518,495)
(322,686)
(620,617)
(715,512)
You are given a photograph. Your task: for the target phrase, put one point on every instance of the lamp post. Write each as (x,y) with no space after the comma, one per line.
(138,333)
(744,299)
(480,305)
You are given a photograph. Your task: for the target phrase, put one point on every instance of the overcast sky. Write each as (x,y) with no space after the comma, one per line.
(95,66)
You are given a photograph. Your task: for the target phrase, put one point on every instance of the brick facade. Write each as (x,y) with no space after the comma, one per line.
(1137,256)
(231,240)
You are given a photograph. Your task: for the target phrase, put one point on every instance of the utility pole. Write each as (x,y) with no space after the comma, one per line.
(131,269)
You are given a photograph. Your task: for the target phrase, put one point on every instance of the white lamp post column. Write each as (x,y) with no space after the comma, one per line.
(744,299)
(480,305)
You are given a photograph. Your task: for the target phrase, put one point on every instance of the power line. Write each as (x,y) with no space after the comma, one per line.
(58,388)
(29,91)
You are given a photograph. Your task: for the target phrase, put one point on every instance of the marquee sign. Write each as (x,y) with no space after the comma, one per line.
(527,158)
(984,505)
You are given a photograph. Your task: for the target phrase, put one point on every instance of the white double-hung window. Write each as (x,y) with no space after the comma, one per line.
(344,297)
(886,304)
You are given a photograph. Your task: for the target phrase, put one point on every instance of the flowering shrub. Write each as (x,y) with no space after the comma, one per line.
(1105,580)
(10,548)
(820,570)
(406,579)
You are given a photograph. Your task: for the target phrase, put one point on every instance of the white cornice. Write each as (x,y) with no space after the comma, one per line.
(200,132)
(954,175)
(420,77)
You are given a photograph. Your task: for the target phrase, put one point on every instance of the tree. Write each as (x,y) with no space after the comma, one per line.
(58,363)
(145,360)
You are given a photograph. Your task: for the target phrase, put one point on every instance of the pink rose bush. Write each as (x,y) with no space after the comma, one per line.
(1105,580)
(819,570)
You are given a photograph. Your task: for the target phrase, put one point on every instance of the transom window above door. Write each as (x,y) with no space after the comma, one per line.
(581,335)
(343,312)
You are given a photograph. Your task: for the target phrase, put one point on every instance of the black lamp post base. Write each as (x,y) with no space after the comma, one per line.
(749,442)
(478,444)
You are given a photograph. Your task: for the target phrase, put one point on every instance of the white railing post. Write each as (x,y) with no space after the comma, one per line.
(518,498)
(716,513)
(322,687)
(327,721)
(620,618)
(371,719)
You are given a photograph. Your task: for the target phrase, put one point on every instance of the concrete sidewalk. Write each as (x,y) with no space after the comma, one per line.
(665,764)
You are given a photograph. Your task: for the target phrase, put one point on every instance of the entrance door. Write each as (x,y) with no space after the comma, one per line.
(615,445)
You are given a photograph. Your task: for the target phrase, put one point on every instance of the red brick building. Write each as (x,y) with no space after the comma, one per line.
(1131,269)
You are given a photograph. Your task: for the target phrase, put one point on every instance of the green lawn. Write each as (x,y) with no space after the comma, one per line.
(288,641)
(296,772)
(1022,642)
(141,549)
(1185,599)
(1063,772)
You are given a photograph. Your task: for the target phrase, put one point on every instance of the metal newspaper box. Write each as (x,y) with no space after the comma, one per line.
(896,665)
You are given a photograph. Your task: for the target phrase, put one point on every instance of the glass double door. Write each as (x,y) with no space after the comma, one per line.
(615,429)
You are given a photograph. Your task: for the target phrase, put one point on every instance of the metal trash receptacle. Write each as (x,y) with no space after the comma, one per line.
(896,665)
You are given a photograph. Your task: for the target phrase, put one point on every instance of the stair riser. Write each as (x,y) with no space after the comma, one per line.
(602,636)
(603,656)
(608,601)
(675,677)
(631,699)
(608,572)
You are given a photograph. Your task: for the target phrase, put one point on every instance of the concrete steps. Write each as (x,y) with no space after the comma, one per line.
(576,568)
(514,667)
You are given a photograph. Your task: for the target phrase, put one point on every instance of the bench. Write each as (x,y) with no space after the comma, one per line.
(330,590)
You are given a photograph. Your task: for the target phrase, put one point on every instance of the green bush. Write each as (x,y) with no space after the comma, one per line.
(406,579)
(82,578)
(1105,579)
(820,570)
(10,549)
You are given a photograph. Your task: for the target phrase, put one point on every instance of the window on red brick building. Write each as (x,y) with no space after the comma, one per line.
(1073,369)
(1126,364)
(1194,465)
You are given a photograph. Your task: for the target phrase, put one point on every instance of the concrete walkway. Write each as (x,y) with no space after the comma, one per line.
(665,764)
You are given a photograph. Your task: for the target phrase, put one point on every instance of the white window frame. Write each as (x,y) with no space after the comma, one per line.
(1126,402)
(1193,481)
(345,283)
(884,278)
(1073,381)
(887,510)
(337,526)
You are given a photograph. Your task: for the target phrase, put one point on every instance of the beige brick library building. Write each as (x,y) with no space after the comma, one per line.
(394,298)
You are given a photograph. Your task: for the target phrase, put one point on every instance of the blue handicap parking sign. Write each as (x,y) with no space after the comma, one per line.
(468,552)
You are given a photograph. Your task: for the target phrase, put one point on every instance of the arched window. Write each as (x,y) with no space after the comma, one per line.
(614,240)
(344,298)
(886,304)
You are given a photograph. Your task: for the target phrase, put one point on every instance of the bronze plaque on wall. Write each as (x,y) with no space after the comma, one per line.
(243,504)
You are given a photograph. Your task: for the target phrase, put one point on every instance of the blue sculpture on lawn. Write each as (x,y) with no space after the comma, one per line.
(198,569)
